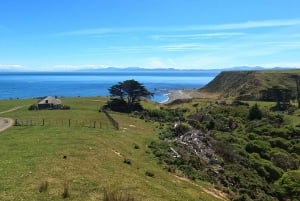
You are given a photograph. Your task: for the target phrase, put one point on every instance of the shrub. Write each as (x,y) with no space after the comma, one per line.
(195,124)
(265,168)
(284,161)
(295,148)
(43,186)
(127,161)
(211,125)
(280,143)
(260,147)
(136,146)
(254,113)
(181,128)
(288,185)
(65,107)
(122,106)
(66,193)
(149,174)
(33,107)
(117,196)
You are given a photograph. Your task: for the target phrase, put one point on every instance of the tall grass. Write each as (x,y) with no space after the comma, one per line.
(117,196)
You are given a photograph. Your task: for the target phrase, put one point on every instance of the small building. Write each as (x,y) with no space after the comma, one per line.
(49,103)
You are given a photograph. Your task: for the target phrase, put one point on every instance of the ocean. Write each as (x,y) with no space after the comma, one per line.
(17,85)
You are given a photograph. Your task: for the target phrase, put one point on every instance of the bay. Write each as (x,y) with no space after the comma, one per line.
(15,85)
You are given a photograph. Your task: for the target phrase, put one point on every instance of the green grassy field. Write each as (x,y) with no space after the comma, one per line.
(84,159)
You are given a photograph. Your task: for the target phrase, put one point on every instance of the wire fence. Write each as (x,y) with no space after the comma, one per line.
(114,123)
(62,123)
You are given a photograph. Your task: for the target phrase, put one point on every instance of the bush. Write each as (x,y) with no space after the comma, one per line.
(117,196)
(119,105)
(136,146)
(149,174)
(296,148)
(127,161)
(280,143)
(181,128)
(43,186)
(66,193)
(260,147)
(284,161)
(265,168)
(254,113)
(288,185)
(65,107)
(33,107)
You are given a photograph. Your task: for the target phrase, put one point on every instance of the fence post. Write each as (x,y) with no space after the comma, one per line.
(69,123)
(43,122)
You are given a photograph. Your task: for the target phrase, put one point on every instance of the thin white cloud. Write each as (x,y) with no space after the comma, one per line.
(77,67)
(189,47)
(215,27)
(11,67)
(251,25)
(198,36)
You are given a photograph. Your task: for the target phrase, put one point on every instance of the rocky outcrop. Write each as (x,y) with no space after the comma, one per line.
(196,141)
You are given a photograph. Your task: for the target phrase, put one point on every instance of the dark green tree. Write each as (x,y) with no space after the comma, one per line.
(126,95)
(254,113)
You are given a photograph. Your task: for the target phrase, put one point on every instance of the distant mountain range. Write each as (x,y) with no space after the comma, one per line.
(162,70)
(139,69)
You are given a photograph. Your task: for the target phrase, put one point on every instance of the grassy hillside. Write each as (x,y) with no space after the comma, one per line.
(248,84)
(83,160)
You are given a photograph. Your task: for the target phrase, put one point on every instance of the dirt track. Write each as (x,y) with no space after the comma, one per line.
(5,123)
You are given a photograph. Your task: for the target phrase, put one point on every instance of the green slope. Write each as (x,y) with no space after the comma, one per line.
(246,85)
(94,157)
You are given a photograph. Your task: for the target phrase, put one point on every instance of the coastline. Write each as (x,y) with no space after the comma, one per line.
(180,94)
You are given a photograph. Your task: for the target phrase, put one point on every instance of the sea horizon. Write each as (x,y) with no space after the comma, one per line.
(20,85)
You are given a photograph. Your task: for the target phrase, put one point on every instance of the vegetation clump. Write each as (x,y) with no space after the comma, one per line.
(246,150)
(126,96)
(117,196)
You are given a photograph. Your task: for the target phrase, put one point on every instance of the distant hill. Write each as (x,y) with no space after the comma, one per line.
(167,70)
(246,85)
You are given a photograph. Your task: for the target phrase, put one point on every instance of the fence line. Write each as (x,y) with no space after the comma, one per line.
(111,119)
(60,123)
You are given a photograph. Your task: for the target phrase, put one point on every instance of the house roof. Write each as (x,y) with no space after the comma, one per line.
(50,100)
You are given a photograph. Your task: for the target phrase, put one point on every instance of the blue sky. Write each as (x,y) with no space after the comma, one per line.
(185,34)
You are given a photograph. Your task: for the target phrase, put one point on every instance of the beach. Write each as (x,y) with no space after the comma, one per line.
(181,94)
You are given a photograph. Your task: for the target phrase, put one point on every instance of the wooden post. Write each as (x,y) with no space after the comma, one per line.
(69,123)
(43,122)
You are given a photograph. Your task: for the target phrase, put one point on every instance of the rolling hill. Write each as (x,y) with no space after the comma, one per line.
(78,154)
(246,85)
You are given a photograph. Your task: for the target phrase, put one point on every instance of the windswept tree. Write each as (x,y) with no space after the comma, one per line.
(255,113)
(126,96)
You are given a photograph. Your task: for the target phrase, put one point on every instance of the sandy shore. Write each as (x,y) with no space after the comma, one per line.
(181,94)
